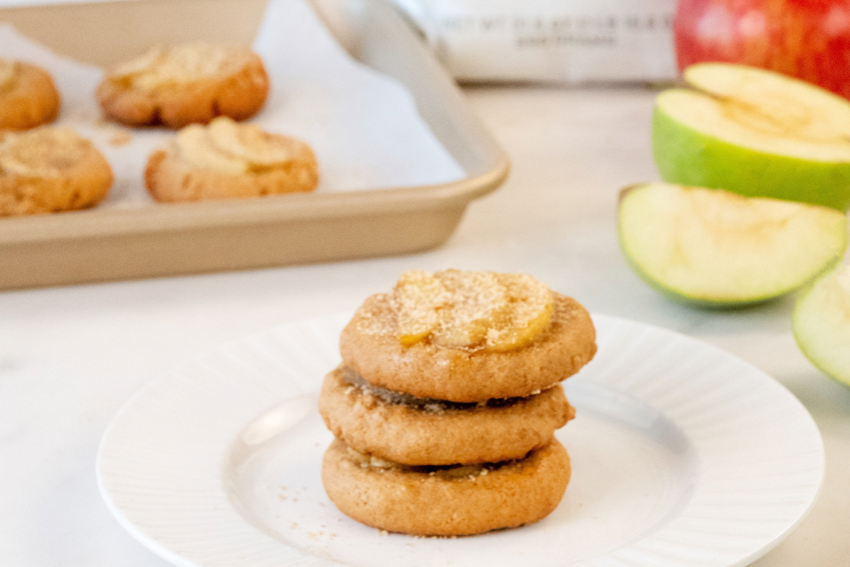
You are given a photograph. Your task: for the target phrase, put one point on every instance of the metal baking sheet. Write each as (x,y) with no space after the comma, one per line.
(172,239)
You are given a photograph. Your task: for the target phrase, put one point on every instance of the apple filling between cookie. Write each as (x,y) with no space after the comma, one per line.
(430,405)
(442,472)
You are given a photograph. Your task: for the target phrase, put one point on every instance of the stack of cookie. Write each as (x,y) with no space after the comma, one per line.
(446,403)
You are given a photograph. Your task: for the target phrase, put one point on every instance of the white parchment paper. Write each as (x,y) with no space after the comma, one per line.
(363,126)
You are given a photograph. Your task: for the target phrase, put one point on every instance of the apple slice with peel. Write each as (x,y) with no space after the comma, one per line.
(754,132)
(822,324)
(718,248)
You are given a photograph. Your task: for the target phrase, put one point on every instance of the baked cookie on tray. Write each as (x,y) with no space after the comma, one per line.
(446,403)
(28,97)
(185,84)
(228,160)
(50,169)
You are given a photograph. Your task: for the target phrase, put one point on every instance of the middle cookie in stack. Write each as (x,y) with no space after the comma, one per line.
(447,401)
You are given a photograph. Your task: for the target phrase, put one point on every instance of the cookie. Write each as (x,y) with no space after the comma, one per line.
(28,97)
(185,84)
(446,501)
(550,341)
(415,431)
(226,160)
(50,169)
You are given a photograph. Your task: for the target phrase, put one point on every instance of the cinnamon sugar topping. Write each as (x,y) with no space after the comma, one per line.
(458,309)
(180,64)
(41,152)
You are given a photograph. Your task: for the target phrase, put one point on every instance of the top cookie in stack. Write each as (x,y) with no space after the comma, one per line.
(468,336)
(447,400)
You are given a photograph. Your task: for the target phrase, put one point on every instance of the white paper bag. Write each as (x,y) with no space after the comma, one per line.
(567,41)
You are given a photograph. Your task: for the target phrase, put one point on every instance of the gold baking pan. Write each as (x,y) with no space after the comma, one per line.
(161,240)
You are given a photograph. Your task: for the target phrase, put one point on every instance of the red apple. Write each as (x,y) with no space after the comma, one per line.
(808,39)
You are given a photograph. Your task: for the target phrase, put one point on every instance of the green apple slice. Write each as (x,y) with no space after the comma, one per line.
(754,132)
(718,248)
(822,324)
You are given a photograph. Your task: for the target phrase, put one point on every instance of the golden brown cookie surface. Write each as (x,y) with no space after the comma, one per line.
(432,432)
(50,169)
(185,84)
(446,501)
(226,160)
(373,346)
(28,97)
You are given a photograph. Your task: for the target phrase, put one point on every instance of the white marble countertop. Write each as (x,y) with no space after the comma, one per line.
(71,357)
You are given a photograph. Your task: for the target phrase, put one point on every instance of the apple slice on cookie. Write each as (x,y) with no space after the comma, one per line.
(754,132)
(718,248)
(822,324)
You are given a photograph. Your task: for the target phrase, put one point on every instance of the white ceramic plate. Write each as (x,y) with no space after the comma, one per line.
(683,456)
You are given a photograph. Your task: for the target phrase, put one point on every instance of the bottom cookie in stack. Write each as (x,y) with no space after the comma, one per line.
(446,500)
